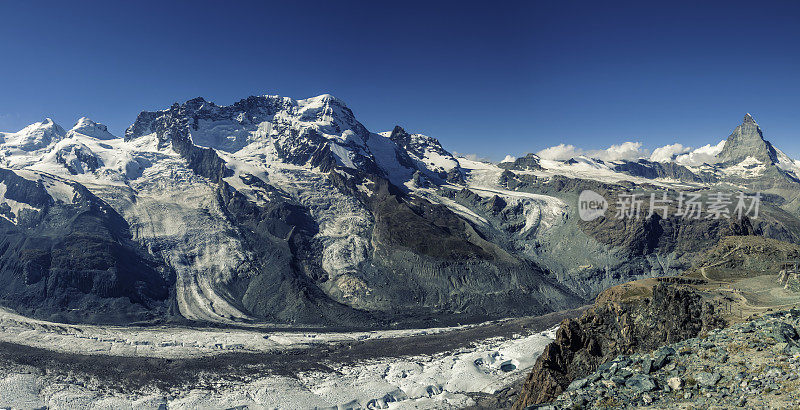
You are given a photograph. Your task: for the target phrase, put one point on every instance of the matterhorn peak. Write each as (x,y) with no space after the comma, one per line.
(747,141)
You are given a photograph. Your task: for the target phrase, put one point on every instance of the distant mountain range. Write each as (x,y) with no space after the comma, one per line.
(281,210)
(744,160)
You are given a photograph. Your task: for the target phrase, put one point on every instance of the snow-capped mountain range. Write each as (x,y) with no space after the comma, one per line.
(680,154)
(744,154)
(281,210)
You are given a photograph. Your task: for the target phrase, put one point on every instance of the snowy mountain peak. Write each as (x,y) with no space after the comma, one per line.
(87,127)
(416,143)
(83,121)
(35,136)
(749,119)
(253,119)
(322,99)
(427,150)
(48,126)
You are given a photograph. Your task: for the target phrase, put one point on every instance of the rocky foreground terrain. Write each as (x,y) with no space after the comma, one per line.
(755,364)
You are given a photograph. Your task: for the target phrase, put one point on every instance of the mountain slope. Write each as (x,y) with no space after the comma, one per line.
(282,210)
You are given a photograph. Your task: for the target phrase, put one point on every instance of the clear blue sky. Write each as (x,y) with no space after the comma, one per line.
(490,77)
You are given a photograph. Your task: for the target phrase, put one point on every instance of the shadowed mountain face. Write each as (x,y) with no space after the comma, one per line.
(291,211)
(71,258)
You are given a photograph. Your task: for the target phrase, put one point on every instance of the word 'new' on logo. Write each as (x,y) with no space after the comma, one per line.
(591,205)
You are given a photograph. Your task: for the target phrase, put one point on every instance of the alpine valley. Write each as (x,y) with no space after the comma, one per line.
(276,253)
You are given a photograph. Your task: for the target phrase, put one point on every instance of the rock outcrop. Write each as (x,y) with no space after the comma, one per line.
(652,170)
(624,320)
(529,162)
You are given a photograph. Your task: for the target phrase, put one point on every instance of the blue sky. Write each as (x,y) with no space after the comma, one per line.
(491,78)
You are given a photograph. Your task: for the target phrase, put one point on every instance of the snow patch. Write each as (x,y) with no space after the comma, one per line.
(750,167)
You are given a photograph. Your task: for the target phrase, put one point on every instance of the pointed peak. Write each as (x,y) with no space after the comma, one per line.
(398,130)
(746,141)
(195,103)
(400,136)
